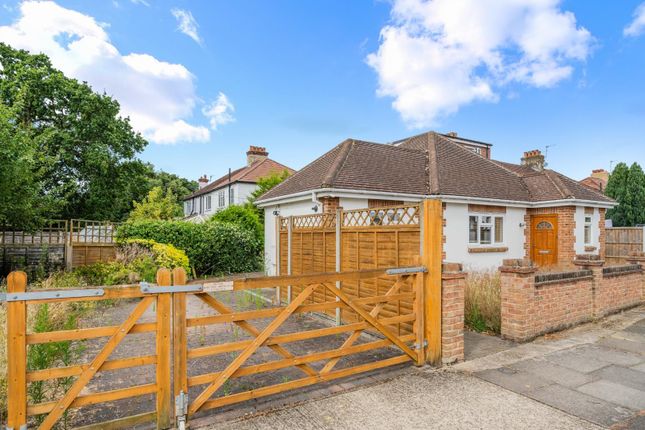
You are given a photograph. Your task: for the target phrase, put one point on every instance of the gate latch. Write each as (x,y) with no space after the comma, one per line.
(181,409)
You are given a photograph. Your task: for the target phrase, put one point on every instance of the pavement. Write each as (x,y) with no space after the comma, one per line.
(591,377)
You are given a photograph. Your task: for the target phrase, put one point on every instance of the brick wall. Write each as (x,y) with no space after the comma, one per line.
(330,204)
(534,304)
(453,293)
(566,232)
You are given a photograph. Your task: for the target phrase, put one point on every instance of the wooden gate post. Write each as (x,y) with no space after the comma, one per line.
(431,253)
(164,399)
(17,353)
(180,335)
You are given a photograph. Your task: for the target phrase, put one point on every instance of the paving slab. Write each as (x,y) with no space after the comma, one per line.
(639,367)
(624,345)
(576,359)
(638,327)
(615,393)
(478,345)
(515,380)
(629,377)
(553,372)
(611,355)
(581,405)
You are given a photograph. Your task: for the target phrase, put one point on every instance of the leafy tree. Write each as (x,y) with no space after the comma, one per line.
(626,185)
(243,216)
(21,206)
(180,187)
(84,153)
(156,206)
(264,185)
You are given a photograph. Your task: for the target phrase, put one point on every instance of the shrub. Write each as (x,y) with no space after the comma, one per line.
(164,255)
(483,302)
(243,216)
(212,247)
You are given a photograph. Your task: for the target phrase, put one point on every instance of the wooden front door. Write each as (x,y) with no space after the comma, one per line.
(544,239)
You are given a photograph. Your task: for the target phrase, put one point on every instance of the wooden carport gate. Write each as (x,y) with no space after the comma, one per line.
(170,328)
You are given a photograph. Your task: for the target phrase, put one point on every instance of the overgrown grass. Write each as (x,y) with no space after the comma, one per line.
(483,302)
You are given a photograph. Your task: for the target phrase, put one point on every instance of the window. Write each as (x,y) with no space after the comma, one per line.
(220,197)
(588,228)
(231,196)
(485,229)
(208,202)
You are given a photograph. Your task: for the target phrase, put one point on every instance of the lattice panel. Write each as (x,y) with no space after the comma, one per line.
(314,222)
(391,216)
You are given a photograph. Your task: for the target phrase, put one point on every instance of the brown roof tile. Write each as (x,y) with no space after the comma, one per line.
(429,164)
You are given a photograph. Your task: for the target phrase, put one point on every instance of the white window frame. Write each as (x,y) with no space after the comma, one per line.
(221,199)
(588,224)
(208,202)
(231,196)
(189,207)
(486,220)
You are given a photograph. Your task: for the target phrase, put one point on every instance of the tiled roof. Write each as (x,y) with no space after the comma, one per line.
(249,173)
(429,164)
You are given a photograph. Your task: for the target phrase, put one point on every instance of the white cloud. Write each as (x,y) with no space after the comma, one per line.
(142,2)
(219,112)
(187,24)
(637,26)
(157,95)
(438,55)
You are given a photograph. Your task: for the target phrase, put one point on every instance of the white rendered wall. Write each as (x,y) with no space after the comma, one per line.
(579,218)
(456,232)
(270,239)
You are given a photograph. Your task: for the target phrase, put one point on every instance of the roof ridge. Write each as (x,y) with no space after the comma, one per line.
(346,145)
(557,182)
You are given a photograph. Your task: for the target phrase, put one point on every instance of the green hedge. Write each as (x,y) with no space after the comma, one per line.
(243,216)
(213,248)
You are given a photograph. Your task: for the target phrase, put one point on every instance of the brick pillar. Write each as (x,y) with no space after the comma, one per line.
(602,231)
(517,291)
(330,204)
(594,263)
(639,258)
(453,295)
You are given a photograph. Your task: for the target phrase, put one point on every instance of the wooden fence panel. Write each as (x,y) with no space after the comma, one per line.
(622,241)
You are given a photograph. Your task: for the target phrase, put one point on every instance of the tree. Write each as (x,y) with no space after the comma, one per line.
(626,185)
(156,206)
(84,152)
(180,187)
(264,185)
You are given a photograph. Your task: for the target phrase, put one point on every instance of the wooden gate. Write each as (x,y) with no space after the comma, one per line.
(400,333)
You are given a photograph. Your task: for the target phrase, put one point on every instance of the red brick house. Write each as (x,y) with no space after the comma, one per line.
(493,210)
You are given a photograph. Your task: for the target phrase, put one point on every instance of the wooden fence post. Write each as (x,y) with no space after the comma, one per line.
(17,353)
(278,290)
(164,400)
(339,224)
(289,264)
(180,336)
(432,246)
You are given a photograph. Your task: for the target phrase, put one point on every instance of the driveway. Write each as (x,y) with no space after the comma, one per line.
(591,377)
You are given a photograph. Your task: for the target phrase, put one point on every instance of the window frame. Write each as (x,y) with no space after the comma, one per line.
(221,199)
(587,228)
(231,196)
(489,221)
(209,202)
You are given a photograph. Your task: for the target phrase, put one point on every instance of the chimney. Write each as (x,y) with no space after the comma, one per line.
(452,134)
(256,153)
(203,181)
(534,159)
(601,174)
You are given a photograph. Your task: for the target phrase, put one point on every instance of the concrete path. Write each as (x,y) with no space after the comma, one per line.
(596,372)
(591,377)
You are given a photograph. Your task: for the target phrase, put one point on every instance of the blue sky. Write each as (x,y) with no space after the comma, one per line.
(203,80)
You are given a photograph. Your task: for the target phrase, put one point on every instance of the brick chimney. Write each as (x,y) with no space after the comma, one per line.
(534,159)
(203,181)
(452,134)
(256,153)
(601,174)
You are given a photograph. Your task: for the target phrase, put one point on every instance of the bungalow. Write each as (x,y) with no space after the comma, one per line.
(232,188)
(493,210)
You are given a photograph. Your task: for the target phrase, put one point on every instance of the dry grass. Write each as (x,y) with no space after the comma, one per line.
(483,301)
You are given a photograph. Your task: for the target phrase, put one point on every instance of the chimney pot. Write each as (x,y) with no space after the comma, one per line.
(256,153)
(452,134)
(534,159)
(203,181)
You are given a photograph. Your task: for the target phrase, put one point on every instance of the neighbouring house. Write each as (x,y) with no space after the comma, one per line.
(234,188)
(493,210)
(597,181)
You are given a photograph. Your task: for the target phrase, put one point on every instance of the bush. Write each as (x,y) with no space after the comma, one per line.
(212,247)
(164,255)
(483,302)
(243,216)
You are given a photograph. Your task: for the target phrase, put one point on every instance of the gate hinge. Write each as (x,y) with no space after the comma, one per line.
(416,345)
(181,409)
(147,288)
